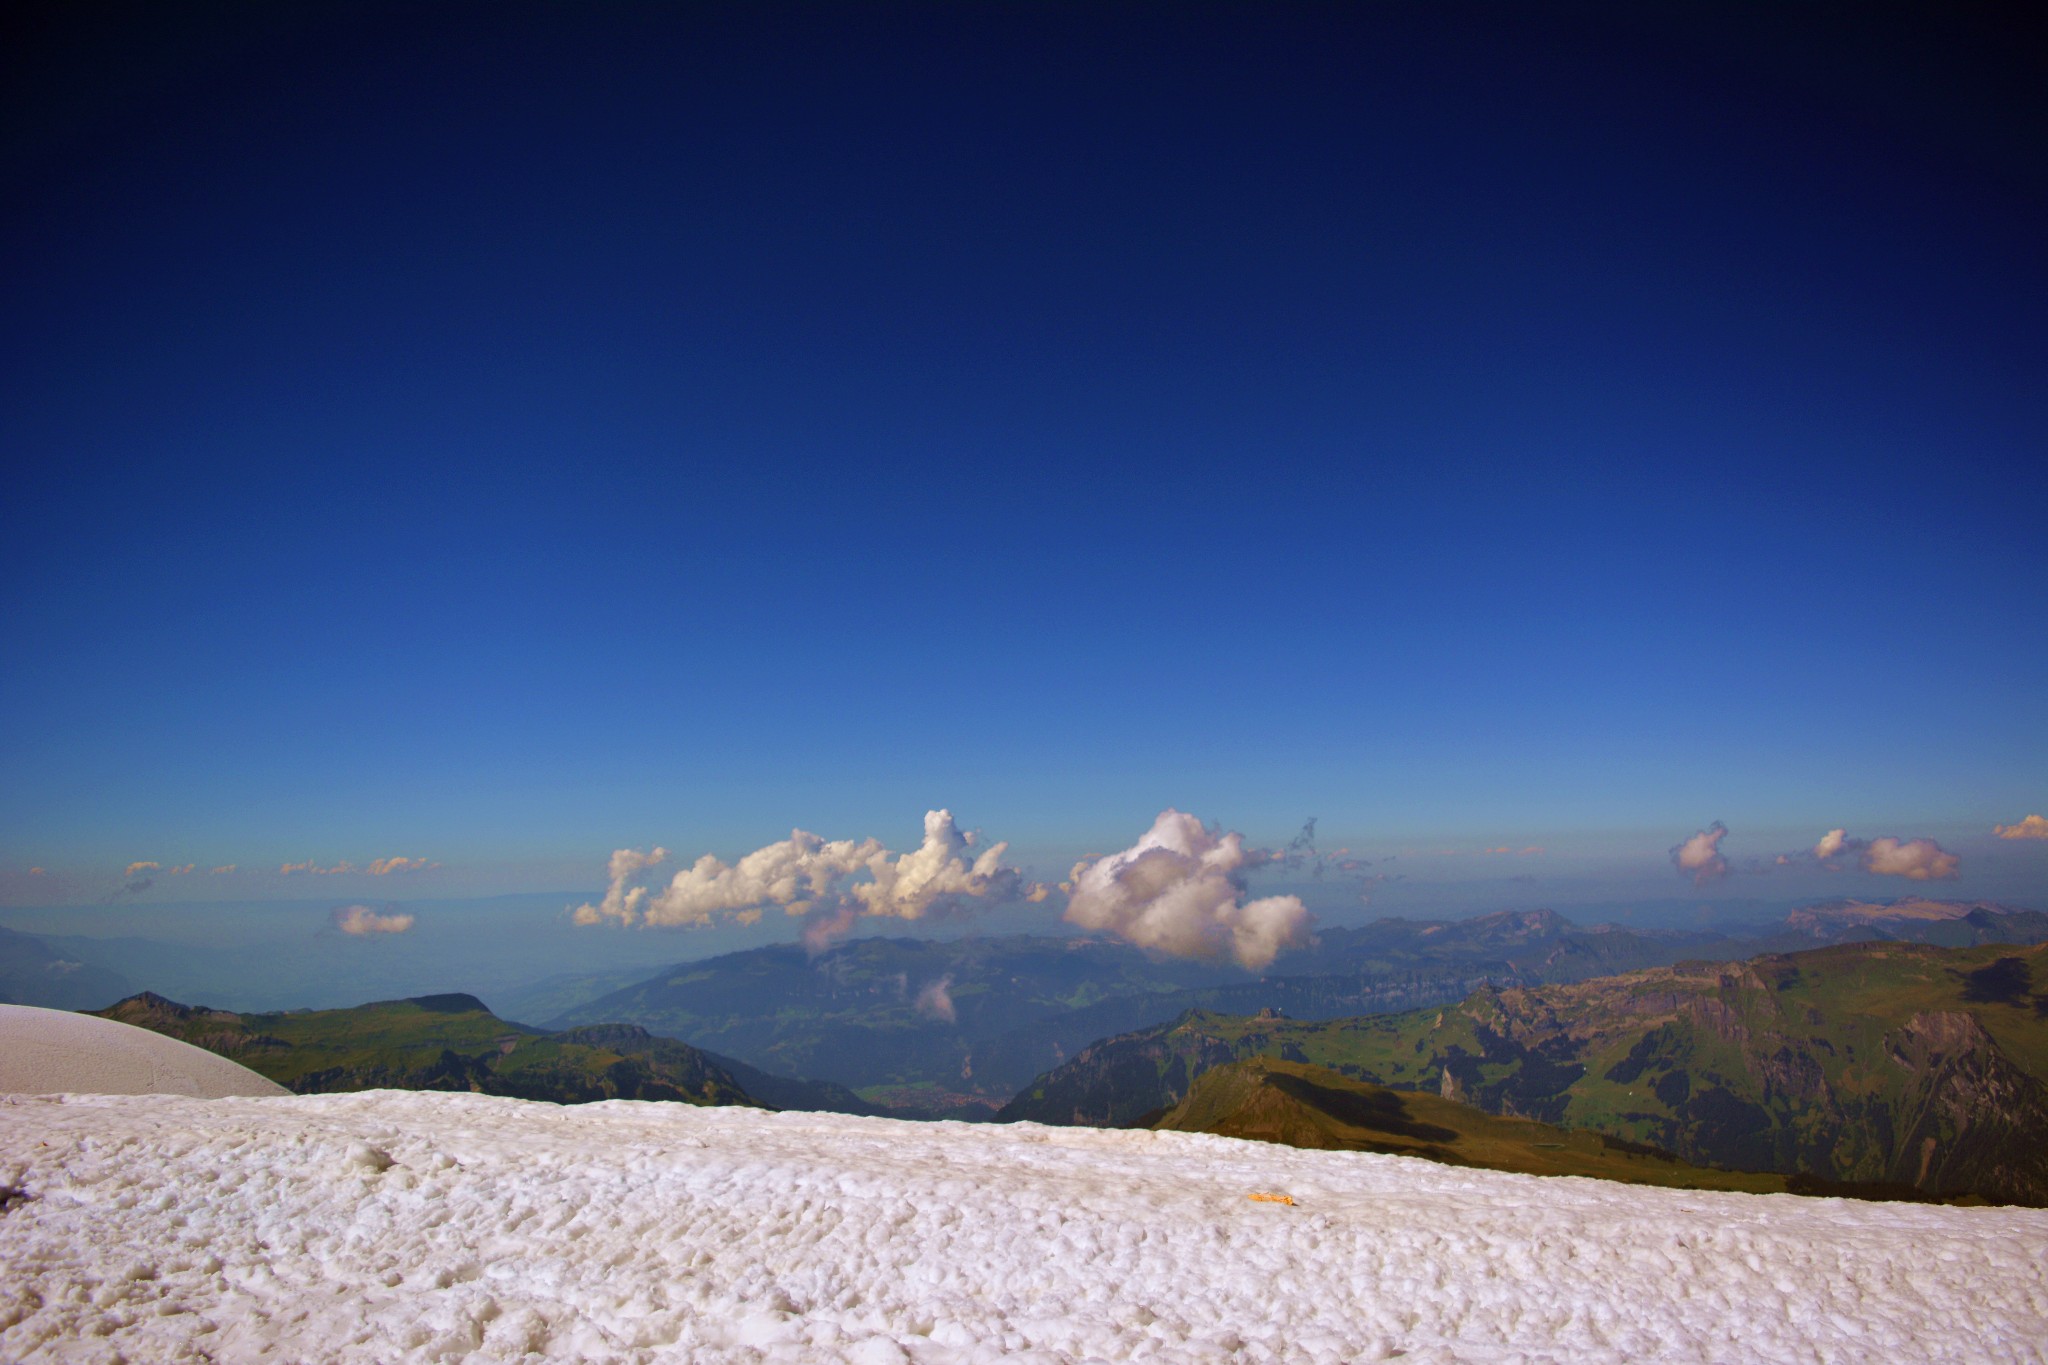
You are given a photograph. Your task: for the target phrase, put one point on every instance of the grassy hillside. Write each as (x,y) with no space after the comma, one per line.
(1869,1062)
(442,1042)
(1299,1105)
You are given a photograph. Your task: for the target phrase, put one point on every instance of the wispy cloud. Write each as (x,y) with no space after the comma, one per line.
(935,1001)
(362,920)
(1700,856)
(223,869)
(38,872)
(142,869)
(1302,855)
(2033,827)
(384,867)
(181,870)
(293,869)
(834,883)
(1180,890)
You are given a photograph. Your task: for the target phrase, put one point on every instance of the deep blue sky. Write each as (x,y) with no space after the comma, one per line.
(502,434)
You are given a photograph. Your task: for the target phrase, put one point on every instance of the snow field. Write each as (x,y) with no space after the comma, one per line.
(408,1226)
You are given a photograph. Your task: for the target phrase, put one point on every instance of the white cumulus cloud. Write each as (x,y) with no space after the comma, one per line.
(1920,860)
(1916,859)
(622,903)
(361,920)
(833,881)
(793,873)
(1701,855)
(945,867)
(1179,890)
(384,867)
(2033,827)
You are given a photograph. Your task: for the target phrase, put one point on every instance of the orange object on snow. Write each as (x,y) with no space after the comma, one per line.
(1287,1199)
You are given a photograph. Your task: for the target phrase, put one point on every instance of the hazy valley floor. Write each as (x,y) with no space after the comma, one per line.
(160,1228)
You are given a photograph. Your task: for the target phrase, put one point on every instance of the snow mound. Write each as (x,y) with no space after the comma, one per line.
(389,1226)
(48,1052)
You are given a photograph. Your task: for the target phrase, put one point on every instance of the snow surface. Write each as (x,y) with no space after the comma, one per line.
(47,1051)
(398,1226)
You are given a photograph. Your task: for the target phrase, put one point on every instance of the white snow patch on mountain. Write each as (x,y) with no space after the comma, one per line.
(391,1226)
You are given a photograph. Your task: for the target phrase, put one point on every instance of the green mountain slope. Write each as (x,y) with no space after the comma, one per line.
(1269,1100)
(1868,1062)
(442,1042)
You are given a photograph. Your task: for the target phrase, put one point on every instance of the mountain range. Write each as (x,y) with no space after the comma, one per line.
(453,1042)
(955,1028)
(1881,1062)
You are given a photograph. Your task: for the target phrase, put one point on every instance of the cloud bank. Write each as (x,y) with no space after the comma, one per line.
(833,882)
(1180,890)
(361,920)
(384,867)
(2033,827)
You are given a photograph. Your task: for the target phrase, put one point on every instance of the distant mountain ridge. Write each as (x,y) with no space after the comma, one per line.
(1873,1061)
(956,1028)
(441,1042)
(1950,924)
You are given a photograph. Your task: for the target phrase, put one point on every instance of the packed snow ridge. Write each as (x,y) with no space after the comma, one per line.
(390,1226)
